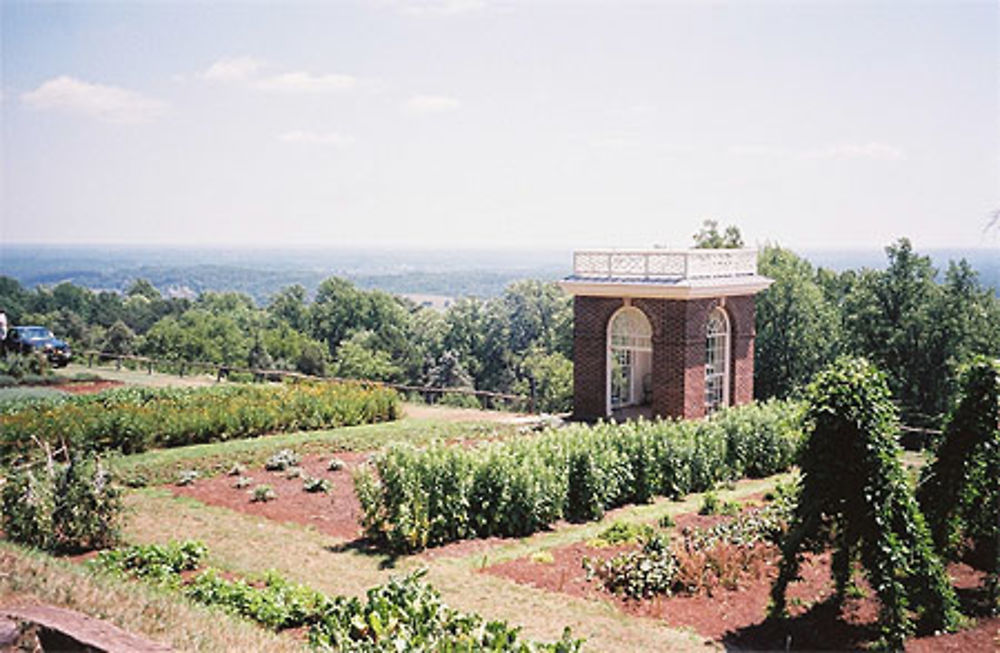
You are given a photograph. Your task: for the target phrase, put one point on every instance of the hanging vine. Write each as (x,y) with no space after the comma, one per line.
(854,496)
(960,490)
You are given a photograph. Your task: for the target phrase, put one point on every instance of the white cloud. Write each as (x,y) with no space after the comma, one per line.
(873,150)
(303,82)
(233,69)
(108,103)
(431,104)
(330,139)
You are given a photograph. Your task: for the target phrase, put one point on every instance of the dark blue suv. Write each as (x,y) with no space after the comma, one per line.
(38,339)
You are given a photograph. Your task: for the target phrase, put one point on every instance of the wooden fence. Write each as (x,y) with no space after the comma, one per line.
(487,400)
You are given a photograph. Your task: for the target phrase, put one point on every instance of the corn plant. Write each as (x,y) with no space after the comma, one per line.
(415,498)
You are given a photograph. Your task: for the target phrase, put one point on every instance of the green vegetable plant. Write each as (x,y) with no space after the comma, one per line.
(262,494)
(415,498)
(313,484)
(62,507)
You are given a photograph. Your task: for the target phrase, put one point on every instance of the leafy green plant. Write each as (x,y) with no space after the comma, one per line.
(313,484)
(412,499)
(282,460)
(710,504)
(242,482)
(402,615)
(187,477)
(666,521)
(237,470)
(621,532)
(335,465)
(153,562)
(62,507)
(263,494)
(134,419)
(854,495)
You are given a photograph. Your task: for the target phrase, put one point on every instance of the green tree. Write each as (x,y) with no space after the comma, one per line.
(798,330)
(358,357)
(142,288)
(708,237)
(118,339)
(290,305)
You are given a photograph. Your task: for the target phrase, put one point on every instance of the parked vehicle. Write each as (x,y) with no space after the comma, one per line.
(38,339)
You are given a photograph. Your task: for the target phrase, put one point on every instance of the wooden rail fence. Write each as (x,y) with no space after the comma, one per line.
(486,399)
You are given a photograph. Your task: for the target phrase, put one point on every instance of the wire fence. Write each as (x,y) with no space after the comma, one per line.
(459,397)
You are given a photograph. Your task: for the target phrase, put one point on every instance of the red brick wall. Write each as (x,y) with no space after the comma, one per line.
(678,353)
(590,330)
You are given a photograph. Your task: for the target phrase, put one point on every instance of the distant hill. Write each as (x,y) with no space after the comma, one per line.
(262,272)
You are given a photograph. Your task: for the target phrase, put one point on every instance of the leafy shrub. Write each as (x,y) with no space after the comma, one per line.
(710,504)
(458,400)
(293,472)
(20,365)
(187,477)
(335,465)
(263,494)
(702,558)
(623,533)
(237,470)
(282,460)
(412,499)
(407,614)
(134,419)
(312,484)
(62,507)
(242,482)
(855,496)
(666,521)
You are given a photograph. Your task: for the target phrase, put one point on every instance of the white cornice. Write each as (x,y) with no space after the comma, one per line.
(681,290)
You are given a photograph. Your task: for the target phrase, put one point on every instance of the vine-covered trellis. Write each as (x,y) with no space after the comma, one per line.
(854,495)
(960,490)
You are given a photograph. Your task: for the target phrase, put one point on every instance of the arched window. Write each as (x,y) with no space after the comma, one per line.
(630,347)
(716,361)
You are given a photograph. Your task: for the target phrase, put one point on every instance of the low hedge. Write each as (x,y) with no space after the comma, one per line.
(415,498)
(130,420)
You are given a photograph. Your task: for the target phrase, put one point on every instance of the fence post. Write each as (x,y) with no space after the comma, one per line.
(149,363)
(182,369)
(90,360)
(118,363)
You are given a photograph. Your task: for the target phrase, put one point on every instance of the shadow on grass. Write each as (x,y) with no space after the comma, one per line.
(366,547)
(820,628)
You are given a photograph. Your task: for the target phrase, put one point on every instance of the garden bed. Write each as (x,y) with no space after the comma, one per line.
(336,513)
(736,617)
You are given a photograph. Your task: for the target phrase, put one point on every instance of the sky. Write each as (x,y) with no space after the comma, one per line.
(481,124)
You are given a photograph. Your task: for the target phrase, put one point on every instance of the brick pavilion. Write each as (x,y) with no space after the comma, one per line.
(658,332)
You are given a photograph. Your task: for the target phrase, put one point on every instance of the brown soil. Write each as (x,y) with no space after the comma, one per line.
(88,387)
(736,618)
(336,513)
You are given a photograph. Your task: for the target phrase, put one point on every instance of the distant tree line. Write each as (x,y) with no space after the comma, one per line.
(517,342)
(913,323)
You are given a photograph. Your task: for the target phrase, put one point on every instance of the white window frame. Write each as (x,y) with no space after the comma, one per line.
(638,340)
(713,349)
